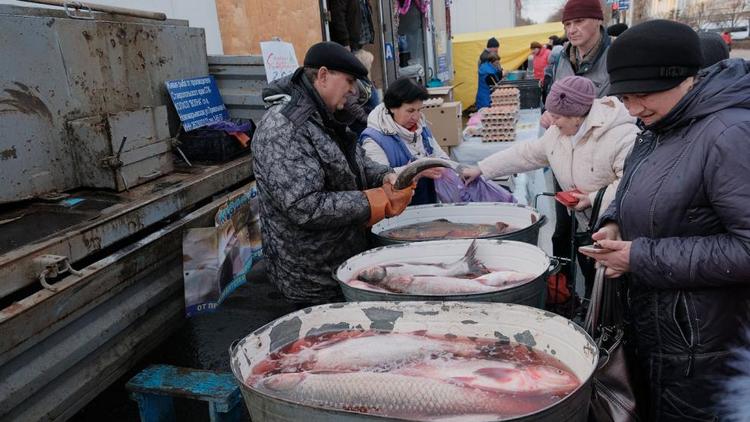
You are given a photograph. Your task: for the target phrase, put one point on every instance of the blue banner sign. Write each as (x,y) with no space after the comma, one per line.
(624,4)
(197,101)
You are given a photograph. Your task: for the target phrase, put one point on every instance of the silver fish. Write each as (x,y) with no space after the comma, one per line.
(467,265)
(499,376)
(411,170)
(374,352)
(390,394)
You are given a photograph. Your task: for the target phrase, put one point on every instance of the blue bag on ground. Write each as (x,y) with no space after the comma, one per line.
(450,188)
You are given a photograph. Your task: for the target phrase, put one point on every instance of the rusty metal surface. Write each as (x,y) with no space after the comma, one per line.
(59,350)
(65,69)
(140,208)
(241,80)
(122,150)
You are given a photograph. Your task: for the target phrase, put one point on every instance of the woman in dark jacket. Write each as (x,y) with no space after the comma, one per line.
(679,227)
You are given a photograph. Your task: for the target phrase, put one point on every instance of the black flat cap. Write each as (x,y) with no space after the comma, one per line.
(653,56)
(335,57)
(493,43)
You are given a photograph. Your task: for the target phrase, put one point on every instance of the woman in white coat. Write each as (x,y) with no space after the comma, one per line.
(586,146)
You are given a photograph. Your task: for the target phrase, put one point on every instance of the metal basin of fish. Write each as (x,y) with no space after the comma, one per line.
(513,255)
(504,323)
(526,220)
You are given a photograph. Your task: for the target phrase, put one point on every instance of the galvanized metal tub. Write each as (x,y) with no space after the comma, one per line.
(533,327)
(510,254)
(528,219)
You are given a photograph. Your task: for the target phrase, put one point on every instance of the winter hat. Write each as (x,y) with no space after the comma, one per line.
(535,45)
(493,43)
(653,56)
(334,57)
(571,96)
(617,29)
(713,48)
(580,9)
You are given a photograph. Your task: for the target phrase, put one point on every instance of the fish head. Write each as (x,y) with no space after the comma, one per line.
(552,378)
(284,382)
(373,275)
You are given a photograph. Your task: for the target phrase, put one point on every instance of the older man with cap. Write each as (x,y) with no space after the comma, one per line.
(679,227)
(318,191)
(586,52)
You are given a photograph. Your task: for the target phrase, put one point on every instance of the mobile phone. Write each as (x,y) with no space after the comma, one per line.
(595,248)
(566,198)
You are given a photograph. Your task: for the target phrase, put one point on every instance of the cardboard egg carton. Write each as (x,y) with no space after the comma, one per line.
(506,92)
(498,138)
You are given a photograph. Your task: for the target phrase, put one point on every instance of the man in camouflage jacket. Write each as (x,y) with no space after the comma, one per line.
(315,183)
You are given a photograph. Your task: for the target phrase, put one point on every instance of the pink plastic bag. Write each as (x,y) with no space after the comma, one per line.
(450,188)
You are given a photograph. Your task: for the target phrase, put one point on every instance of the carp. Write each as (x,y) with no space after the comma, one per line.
(445,229)
(390,394)
(499,376)
(467,265)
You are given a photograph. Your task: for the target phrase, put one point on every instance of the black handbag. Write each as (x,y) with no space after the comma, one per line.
(613,398)
(584,238)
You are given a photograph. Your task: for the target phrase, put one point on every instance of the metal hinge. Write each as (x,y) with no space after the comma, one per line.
(52,266)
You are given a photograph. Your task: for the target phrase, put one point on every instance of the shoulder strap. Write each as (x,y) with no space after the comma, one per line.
(596,208)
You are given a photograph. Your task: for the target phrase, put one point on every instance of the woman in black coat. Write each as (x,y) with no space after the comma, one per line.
(679,227)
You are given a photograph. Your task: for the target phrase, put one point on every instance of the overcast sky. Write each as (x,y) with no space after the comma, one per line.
(540,10)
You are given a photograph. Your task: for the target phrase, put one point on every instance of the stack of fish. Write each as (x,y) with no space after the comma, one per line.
(499,121)
(415,376)
(465,276)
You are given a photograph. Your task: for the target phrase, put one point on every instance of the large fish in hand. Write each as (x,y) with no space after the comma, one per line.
(389,394)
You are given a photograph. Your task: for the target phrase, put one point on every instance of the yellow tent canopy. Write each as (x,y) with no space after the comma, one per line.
(514,50)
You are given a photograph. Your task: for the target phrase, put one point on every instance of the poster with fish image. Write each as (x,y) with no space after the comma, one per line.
(216,259)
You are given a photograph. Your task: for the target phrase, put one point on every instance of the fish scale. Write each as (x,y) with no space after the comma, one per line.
(391,394)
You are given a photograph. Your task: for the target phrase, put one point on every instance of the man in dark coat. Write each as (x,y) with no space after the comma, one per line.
(318,191)
(679,227)
(346,23)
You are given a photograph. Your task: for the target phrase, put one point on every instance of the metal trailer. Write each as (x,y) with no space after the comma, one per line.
(112,264)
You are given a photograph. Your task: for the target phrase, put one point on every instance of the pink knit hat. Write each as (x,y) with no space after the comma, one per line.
(571,96)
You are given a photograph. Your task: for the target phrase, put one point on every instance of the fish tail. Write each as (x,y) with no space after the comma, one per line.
(475,266)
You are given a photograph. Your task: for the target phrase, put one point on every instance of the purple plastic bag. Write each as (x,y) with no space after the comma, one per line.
(450,188)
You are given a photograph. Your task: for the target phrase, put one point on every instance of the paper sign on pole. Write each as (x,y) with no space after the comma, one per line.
(279,59)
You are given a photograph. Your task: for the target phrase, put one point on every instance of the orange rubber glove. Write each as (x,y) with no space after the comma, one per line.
(378,203)
(398,200)
(387,202)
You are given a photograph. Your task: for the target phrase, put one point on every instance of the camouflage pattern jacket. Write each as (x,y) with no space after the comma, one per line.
(310,174)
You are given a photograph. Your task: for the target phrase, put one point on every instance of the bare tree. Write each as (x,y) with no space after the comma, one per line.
(557,15)
(736,11)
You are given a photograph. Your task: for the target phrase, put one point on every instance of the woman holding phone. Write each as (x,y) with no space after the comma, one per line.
(679,227)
